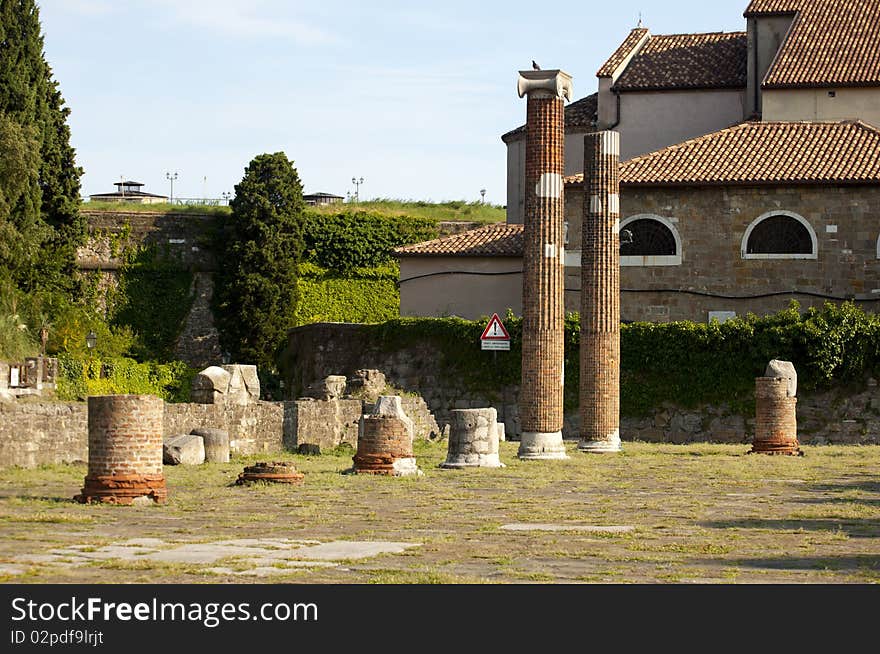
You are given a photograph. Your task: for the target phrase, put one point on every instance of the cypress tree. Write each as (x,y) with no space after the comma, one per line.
(29,96)
(257,284)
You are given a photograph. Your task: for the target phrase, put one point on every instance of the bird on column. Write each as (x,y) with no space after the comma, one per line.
(535,66)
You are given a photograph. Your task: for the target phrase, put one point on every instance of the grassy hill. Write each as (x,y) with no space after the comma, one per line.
(454,211)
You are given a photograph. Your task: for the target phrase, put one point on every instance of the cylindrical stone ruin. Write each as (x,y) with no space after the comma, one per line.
(216,444)
(125,450)
(385,441)
(600,295)
(775,418)
(543,333)
(473,439)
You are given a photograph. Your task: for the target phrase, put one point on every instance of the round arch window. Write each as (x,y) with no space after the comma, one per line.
(780,234)
(648,238)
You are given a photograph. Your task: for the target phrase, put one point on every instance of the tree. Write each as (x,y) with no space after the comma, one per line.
(21,229)
(257,284)
(30,98)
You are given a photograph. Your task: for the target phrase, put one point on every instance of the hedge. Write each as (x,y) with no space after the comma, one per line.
(682,363)
(362,296)
(80,377)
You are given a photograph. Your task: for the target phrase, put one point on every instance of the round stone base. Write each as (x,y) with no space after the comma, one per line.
(537,446)
(482,461)
(609,445)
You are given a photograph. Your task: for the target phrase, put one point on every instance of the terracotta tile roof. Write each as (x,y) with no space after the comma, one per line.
(498,240)
(831,43)
(688,61)
(581,114)
(845,152)
(624,51)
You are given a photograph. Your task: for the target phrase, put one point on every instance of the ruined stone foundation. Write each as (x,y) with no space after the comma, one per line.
(385,441)
(125,450)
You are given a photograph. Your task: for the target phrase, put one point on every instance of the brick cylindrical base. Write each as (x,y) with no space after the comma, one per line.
(125,450)
(384,447)
(775,418)
(600,295)
(473,439)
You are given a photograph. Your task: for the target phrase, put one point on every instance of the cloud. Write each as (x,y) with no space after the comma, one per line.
(254,19)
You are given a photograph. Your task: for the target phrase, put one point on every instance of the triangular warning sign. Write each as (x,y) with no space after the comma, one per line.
(495,331)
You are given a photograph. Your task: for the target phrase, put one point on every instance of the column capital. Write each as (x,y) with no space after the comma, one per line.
(548,83)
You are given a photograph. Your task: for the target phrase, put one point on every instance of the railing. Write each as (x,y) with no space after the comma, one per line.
(204,202)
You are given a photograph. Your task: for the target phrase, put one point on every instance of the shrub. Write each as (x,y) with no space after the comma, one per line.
(80,377)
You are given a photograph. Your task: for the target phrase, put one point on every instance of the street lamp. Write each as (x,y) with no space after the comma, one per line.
(357,187)
(226,196)
(171,178)
(91,340)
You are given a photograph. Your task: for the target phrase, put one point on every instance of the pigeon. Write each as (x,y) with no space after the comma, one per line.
(535,66)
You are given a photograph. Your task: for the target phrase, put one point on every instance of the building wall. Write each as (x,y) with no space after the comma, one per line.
(712,221)
(818,104)
(766,35)
(650,121)
(516,167)
(468,296)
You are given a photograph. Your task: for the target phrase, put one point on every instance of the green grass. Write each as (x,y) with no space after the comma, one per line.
(701,512)
(164,208)
(453,211)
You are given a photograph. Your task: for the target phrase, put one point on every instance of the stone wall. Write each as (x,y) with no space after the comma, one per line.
(253,428)
(199,340)
(839,416)
(42,433)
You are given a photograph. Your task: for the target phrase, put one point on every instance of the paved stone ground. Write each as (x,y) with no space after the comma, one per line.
(654,514)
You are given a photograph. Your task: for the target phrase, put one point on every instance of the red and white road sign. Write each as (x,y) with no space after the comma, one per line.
(495,336)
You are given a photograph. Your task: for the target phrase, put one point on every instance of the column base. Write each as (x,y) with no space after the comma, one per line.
(537,446)
(609,445)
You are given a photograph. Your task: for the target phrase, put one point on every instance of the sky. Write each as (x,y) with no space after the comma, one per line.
(413,97)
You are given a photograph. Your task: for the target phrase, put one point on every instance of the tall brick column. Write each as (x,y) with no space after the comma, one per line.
(543,350)
(600,295)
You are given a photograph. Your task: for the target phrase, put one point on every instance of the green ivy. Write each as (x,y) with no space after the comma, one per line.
(358,239)
(153,299)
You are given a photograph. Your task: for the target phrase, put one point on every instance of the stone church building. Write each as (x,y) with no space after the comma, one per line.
(753,175)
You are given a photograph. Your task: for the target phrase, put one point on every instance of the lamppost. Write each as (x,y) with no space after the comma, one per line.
(227,196)
(91,341)
(357,188)
(171,178)
(482,196)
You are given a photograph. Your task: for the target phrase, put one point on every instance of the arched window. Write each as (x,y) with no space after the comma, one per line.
(651,241)
(780,235)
